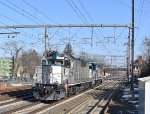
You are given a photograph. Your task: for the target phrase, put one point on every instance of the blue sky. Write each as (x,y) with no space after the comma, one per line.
(106,41)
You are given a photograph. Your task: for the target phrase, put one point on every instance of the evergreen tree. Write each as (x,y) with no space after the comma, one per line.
(68,49)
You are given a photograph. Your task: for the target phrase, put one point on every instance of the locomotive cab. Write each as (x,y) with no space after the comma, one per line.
(49,82)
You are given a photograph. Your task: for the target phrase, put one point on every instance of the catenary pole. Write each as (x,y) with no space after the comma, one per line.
(128,57)
(132,46)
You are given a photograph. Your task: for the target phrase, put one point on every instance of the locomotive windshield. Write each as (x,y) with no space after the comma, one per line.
(54,58)
(67,63)
(55,62)
(92,66)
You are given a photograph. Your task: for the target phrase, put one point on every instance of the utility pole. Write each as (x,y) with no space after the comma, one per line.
(92,38)
(12,67)
(46,39)
(132,46)
(128,56)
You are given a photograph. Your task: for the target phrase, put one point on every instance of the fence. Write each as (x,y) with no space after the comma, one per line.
(16,81)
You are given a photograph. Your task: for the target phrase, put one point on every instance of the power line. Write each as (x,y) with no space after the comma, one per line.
(120,2)
(82,17)
(140,16)
(76,11)
(19,12)
(25,11)
(120,33)
(79,12)
(15,21)
(41,13)
(23,15)
(24,33)
(91,20)
(86,11)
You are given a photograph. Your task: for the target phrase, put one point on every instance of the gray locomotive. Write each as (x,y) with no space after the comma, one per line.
(61,75)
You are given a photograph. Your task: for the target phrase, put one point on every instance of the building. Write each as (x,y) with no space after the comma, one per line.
(137,67)
(5,66)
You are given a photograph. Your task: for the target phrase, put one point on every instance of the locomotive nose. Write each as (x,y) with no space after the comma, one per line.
(40,93)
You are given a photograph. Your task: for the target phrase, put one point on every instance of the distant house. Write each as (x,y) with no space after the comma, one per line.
(137,67)
(5,66)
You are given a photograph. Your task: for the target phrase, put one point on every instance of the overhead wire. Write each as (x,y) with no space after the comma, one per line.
(88,15)
(21,14)
(42,14)
(50,18)
(13,31)
(86,11)
(29,14)
(93,22)
(140,16)
(25,12)
(123,3)
(120,33)
(16,21)
(76,11)
(85,20)
(25,34)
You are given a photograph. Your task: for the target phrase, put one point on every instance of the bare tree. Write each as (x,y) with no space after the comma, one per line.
(14,49)
(91,57)
(30,60)
(146,55)
(84,55)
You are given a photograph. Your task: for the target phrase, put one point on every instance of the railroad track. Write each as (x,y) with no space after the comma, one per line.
(8,97)
(15,99)
(66,105)
(21,103)
(98,105)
